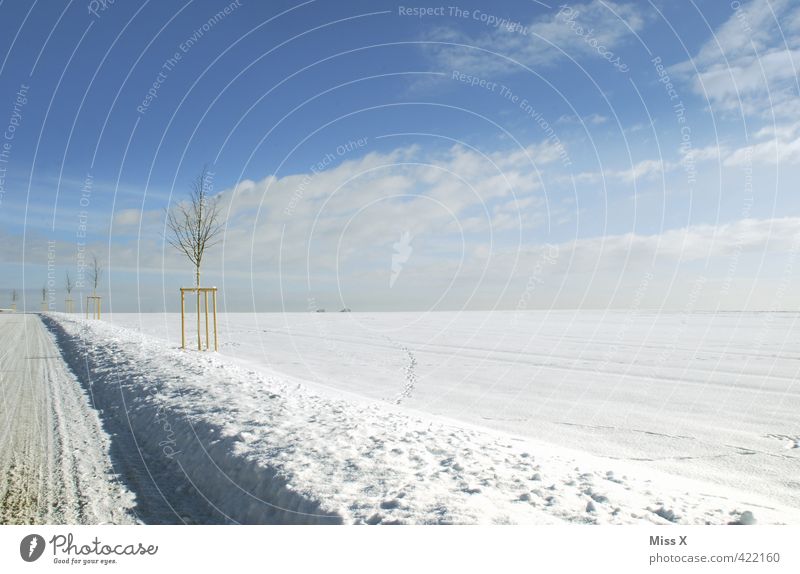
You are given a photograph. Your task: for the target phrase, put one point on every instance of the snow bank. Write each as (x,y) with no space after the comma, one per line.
(185,464)
(204,439)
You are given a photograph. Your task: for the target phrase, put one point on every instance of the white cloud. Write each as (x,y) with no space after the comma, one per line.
(749,65)
(592,119)
(773,145)
(538,43)
(692,243)
(608,258)
(477,222)
(348,216)
(772,151)
(708,153)
(127,217)
(594,270)
(642,170)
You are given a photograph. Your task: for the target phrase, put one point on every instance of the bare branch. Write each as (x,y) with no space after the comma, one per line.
(195,224)
(95,273)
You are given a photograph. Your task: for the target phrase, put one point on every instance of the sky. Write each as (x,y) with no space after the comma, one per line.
(382,156)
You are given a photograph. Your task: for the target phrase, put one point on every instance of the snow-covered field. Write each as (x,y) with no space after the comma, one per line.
(463,417)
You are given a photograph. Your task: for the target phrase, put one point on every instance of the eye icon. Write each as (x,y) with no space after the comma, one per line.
(31,548)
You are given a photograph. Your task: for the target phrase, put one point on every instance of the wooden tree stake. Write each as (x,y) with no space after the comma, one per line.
(93,302)
(198,309)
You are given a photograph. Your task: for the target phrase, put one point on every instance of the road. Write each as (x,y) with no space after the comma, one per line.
(54,456)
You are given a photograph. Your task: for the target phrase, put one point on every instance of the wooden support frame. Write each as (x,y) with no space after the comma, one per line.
(69,306)
(95,303)
(200,291)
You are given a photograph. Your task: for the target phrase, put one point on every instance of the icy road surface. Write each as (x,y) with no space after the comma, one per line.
(54,457)
(591,396)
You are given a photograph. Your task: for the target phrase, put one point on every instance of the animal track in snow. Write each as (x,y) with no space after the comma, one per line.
(409,372)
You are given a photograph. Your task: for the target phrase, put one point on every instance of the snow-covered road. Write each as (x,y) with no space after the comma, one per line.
(54,457)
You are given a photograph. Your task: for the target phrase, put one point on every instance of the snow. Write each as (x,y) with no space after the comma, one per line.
(455,417)
(54,456)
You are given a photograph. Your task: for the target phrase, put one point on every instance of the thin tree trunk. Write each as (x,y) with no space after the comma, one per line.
(197,280)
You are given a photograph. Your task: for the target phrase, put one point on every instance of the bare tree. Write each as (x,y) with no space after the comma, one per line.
(68,286)
(195,224)
(95,273)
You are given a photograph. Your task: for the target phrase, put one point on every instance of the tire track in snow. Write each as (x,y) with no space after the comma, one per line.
(54,455)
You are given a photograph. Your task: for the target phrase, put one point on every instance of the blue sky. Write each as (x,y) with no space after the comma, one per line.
(389,156)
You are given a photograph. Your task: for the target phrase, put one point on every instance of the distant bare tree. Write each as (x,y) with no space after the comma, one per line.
(68,285)
(195,224)
(95,273)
